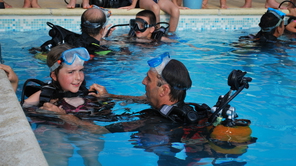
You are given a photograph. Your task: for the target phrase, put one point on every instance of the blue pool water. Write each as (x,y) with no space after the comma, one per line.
(269,102)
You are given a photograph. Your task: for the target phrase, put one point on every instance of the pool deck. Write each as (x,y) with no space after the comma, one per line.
(58,7)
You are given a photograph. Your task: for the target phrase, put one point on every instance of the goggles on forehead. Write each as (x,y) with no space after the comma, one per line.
(279,14)
(71,56)
(95,25)
(159,62)
(139,24)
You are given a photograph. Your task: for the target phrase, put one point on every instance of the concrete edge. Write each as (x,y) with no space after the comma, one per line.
(79,11)
(18,143)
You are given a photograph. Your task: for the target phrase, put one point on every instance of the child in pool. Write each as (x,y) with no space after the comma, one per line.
(143,26)
(66,71)
(157,5)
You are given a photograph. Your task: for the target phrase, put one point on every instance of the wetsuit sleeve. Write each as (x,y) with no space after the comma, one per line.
(125,126)
(116,127)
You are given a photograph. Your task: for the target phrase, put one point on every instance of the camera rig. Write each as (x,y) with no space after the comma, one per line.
(222,110)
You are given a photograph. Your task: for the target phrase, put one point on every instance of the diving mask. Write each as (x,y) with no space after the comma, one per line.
(279,14)
(139,24)
(75,56)
(159,62)
(95,25)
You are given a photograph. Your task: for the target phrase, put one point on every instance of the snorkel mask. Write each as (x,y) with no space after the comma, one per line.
(95,25)
(71,57)
(159,63)
(279,14)
(139,24)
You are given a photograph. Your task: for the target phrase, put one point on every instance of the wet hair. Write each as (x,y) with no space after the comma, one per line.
(53,56)
(149,14)
(269,20)
(90,16)
(177,76)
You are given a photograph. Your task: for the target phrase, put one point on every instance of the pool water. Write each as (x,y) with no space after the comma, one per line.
(269,102)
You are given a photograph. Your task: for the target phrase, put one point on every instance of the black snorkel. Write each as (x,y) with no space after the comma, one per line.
(132,31)
(237,82)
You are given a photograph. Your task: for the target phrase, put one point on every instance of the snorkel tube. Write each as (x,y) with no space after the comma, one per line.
(222,109)
(165,28)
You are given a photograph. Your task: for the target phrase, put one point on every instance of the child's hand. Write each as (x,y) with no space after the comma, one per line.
(53,108)
(12,77)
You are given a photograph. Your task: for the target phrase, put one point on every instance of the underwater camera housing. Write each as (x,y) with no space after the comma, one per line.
(222,110)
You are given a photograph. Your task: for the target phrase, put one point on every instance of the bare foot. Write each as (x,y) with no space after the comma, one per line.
(6,5)
(27,4)
(204,6)
(35,4)
(72,4)
(223,6)
(246,6)
(86,6)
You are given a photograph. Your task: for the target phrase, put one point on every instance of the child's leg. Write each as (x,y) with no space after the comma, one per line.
(85,4)
(205,4)
(35,4)
(248,4)
(223,4)
(27,4)
(174,12)
(151,5)
(71,4)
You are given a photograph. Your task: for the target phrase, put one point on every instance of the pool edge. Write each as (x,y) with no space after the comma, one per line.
(18,143)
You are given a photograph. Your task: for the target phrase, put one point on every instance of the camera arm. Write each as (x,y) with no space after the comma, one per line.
(222,109)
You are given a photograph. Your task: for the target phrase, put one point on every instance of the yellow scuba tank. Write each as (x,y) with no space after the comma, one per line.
(239,133)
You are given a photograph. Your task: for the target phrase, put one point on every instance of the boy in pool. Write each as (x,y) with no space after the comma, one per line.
(143,27)
(155,6)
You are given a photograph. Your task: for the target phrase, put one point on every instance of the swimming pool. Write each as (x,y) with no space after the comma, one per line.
(269,102)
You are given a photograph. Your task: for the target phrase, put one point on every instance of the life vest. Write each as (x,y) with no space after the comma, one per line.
(185,112)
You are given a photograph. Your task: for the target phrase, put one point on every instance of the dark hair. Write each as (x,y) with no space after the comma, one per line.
(149,14)
(53,56)
(268,26)
(90,16)
(269,20)
(177,76)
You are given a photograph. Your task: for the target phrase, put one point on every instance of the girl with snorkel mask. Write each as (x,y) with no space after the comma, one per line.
(66,70)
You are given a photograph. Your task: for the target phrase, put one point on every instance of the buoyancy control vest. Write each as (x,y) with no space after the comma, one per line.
(185,112)
(48,91)
(61,35)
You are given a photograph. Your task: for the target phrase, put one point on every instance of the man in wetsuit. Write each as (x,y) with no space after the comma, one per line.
(93,27)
